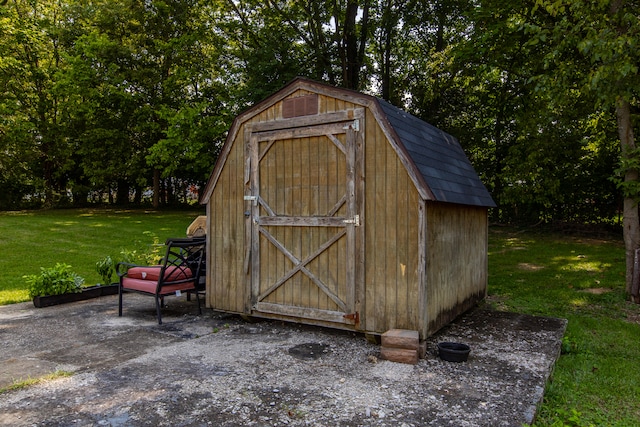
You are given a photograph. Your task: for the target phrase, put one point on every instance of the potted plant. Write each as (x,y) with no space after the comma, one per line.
(105,268)
(60,284)
(54,284)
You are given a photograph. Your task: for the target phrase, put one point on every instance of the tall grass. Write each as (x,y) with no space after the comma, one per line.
(78,237)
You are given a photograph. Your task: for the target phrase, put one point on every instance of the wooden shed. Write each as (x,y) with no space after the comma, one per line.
(331,207)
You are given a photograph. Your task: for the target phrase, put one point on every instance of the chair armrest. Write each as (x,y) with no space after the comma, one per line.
(127,266)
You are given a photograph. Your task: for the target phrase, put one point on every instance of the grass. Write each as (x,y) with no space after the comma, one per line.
(596,380)
(20,384)
(78,237)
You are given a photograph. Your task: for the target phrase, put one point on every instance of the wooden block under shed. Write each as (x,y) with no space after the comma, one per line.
(400,355)
(401,338)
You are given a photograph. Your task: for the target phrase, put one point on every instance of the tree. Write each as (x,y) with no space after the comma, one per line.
(30,57)
(138,71)
(594,49)
(269,43)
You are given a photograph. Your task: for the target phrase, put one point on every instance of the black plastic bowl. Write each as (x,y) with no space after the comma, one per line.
(453,351)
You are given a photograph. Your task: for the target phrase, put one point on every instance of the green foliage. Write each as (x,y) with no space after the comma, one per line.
(629,161)
(89,89)
(56,280)
(111,98)
(144,253)
(569,345)
(105,268)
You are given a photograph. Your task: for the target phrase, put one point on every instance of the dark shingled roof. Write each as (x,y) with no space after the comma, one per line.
(439,158)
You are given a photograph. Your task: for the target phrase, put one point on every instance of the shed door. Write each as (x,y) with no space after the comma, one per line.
(304,213)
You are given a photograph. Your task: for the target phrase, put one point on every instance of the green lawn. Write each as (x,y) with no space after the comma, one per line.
(33,239)
(596,380)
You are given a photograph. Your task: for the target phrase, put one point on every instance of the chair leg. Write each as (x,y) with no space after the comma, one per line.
(158,310)
(120,300)
(198,298)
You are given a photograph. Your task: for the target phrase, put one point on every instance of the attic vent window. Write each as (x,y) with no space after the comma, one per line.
(306,105)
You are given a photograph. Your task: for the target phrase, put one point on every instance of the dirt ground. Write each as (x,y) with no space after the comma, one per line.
(216,369)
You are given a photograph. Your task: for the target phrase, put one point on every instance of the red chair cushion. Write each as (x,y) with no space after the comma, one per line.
(153,273)
(150,286)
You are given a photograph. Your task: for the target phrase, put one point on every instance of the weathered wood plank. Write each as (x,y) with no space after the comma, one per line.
(359,255)
(392,211)
(454,233)
(405,216)
(392,137)
(423,283)
(301,221)
(247,244)
(305,121)
(376,298)
(255,212)
(303,312)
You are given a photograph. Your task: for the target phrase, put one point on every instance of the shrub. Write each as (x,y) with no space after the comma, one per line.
(56,280)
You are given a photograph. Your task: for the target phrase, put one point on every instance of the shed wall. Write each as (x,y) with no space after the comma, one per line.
(391,237)
(457,254)
(226,277)
(409,279)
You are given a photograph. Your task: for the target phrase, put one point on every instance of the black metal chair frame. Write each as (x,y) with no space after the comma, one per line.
(182,255)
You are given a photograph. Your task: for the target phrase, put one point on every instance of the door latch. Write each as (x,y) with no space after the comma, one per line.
(253,199)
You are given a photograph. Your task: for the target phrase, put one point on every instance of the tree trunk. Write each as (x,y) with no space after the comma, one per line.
(122,192)
(630,219)
(156,188)
(353,47)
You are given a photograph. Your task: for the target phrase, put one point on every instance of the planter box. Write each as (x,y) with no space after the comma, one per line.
(87,293)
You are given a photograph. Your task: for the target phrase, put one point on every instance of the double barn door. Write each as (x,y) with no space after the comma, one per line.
(303,209)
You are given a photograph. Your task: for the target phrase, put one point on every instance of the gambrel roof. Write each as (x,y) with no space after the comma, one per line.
(439,158)
(435,160)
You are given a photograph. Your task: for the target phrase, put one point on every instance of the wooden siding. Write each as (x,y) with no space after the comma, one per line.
(456,261)
(229,280)
(392,234)
(422,263)
(225,213)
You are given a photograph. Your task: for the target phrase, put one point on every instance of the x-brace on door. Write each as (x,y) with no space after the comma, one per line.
(303,208)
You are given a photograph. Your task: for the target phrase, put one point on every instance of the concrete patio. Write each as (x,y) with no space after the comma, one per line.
(216,369)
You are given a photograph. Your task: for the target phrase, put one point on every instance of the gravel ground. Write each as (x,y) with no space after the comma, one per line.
(218,370)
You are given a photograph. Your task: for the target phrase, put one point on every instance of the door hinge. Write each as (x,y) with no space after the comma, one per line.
(355,317)
(253,199)
(355,125)
(355,221)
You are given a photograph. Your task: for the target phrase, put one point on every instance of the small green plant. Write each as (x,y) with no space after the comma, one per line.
(56,280)
(145,254)
(105,269)
(569,345)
